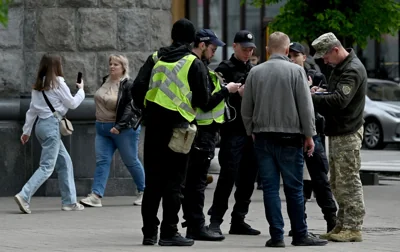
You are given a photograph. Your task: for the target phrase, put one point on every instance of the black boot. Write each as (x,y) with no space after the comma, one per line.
(242,228)
(275,244)
(215,227)
(150,236)
(176,240)
(203,234)
(309,240)
(149,240)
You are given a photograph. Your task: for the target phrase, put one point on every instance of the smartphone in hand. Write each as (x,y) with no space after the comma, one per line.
(79,79)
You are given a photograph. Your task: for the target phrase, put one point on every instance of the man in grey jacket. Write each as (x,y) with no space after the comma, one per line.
(277,110)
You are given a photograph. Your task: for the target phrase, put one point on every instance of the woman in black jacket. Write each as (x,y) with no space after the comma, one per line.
(114,131)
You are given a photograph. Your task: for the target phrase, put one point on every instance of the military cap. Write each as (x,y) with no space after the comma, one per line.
(323,44)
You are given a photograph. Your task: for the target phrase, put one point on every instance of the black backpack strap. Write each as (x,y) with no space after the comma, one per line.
(48,102)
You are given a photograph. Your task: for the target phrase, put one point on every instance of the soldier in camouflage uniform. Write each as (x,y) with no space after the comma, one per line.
(343,108)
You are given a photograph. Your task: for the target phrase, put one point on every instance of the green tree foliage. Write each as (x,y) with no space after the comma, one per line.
(353,21)
(4,11)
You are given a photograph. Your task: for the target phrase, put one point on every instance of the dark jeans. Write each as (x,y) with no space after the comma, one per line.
(275,160)
(322,138)
(237,161)
(165,175)
(196,183)
(318,169)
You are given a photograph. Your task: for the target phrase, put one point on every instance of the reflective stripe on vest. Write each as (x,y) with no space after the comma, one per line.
(170,88)
(217,113)
(155,57)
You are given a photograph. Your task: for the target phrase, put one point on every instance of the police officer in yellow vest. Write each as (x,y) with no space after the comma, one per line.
(209,119)
(172,84)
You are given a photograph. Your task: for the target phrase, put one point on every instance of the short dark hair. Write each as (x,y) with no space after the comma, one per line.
(197,43)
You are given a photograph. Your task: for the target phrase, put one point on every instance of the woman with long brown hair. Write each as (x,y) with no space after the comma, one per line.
(50,84)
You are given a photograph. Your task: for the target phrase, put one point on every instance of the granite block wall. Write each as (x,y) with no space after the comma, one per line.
(84,33)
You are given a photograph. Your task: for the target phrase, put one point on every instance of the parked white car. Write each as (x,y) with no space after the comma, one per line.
(382,114)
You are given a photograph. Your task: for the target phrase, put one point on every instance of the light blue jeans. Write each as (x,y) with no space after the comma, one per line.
(106,143)
(54,155)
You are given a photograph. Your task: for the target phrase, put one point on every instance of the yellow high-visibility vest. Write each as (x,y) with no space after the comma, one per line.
(217,113)
(169,86)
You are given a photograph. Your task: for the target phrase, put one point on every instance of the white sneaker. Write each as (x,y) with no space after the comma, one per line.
(91,200)
(138,201)
(23,205)
(73,207)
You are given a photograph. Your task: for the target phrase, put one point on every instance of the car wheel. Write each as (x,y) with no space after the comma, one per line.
(373,135)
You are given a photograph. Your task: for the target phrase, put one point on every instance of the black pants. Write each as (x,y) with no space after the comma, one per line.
(318,169)
(238,164)
(307,189)
(165,175)
(196,183)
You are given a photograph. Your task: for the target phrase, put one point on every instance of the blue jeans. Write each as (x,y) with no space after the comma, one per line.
(54,155)
(106,143)
(274,160)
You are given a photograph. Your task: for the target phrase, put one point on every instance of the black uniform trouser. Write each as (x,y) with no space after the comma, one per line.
(165,172)
(307,189)
(238,164)
(318,169)
(196,183)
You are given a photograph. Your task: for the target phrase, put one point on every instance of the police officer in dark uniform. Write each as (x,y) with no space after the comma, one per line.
(236,155)
(317,164)
(208,119)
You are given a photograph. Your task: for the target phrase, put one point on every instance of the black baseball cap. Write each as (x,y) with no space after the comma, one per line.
(297,47)
(244,38)
(207,35)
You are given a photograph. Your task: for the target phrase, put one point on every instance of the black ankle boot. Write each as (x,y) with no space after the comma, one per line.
(242,228)
(215,227)
(203,234)
(176,240)
(150,240)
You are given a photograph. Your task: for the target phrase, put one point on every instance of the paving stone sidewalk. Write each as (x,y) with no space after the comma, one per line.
(116,226)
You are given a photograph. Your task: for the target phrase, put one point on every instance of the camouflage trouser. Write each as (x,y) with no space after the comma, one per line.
(345,164)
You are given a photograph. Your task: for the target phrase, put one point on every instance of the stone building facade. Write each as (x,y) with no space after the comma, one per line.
(84,33)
